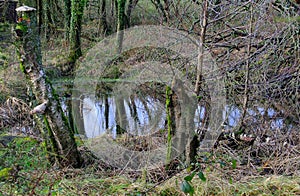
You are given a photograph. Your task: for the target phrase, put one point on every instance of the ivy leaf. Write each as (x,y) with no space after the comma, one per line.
(186,187)
(201,176)
(189,177)
(22,27)
(199,97)
(233,164)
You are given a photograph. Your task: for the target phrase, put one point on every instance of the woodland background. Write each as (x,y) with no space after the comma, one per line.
(256,45)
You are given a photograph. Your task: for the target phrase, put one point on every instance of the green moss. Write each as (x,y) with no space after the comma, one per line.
(50,142)
(24,152)
(169,122)
(5,172)
(22,67)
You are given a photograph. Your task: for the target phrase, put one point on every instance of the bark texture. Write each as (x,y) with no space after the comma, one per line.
(48,112)
(77,8)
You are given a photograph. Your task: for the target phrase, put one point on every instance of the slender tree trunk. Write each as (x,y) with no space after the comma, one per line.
(121,15)
(67,11)
(133,110)
(77,8)
(167,8)
(121,119)
(169,123)
(46,19)
(160,7)
(103,20)
(121,23)
(106,112)
(201,48)
(247,66)
(52,119)
(131,6)
(77,112)
(40,14)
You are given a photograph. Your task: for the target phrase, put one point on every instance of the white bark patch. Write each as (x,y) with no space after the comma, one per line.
(39,109)
(25,8)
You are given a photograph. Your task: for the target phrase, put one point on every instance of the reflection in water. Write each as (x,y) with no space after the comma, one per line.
(94,117)
(146,117)
(233,115)
(256,112)
(199,118)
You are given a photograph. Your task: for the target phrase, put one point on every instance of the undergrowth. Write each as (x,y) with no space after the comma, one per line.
(24,170)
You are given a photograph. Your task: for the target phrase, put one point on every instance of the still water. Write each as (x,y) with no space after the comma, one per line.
(150,116)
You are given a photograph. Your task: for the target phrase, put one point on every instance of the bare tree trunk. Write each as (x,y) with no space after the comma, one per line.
(49,109)
(201,48)
(160,8)
(106,112)
(121,23)
(121,119)
(131,6)
(103,20)
(40,14)
(247,66)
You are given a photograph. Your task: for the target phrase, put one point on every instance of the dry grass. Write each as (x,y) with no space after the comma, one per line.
(248,185)
(12,80)
(14,113)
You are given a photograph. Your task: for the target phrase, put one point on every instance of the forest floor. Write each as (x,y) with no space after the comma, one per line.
(24,170)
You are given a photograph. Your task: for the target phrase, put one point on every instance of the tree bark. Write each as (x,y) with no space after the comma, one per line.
(77,8)
(48,19)
(67,11)
(185,139)
(52,120)
(201,48)
(158,5)
(131,6)
(103,19)
(40,14)
(121,23)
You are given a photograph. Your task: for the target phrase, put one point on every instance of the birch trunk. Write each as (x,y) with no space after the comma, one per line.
(49,114)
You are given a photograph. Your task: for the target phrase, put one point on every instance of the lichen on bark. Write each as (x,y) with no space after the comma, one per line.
(51,120)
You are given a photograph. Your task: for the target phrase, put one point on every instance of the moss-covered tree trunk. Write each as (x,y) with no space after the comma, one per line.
(67,13)
(48,112)
(77,8)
